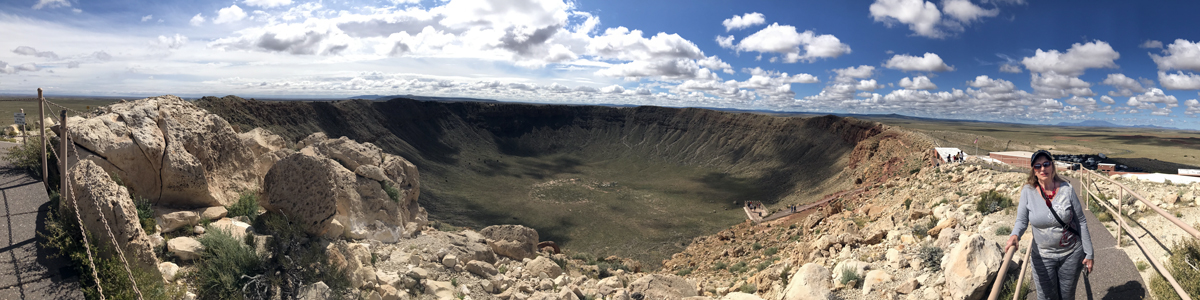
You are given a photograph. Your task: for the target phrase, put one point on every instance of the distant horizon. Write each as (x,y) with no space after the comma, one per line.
(325,98)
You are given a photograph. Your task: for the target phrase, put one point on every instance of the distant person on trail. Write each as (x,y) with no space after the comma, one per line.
(1061,242)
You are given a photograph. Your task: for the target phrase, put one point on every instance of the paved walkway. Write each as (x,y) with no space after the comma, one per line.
(26,271)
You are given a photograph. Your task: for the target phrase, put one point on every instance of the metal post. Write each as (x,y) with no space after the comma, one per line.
(42,119)
(64,189)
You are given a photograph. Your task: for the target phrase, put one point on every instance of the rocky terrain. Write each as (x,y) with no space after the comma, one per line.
(906,229)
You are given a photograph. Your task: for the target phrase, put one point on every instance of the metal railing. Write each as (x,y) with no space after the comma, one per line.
(1122,229)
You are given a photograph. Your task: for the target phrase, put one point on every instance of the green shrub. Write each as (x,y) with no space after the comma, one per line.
(756,246)
(685,271)
(247,205)
(1010,284)
(391,191)
(219,274)
(1104,216)
(922,229)
(28,156)
(1183,263)
(992,201)
(771,251)
(1142,265)
(787,274)
(145,214)
(720,265)
(763,265)
(296,259)
(1003,230)
(737,267)
(502,269)
(848,275)
(608,268)
(748,288)
(931,256)
(907,203)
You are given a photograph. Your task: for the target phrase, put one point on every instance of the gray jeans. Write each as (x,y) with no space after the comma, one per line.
(1056,277)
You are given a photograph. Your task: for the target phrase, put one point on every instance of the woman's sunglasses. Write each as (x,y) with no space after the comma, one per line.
(1045,164)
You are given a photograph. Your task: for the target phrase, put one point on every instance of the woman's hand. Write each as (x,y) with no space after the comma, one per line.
(1012,242)
(1087,265)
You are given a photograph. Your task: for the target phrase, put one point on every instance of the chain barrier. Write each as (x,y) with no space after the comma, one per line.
(103,220)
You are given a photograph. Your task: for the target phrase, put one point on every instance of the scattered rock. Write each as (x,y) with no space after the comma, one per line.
(235,228)
(943,224)
(908,286)
(185,248)
(212,213)
(874,279)
(733,296)
(316,291)
(168,270)
(480,268)
(895,259)
(543,265)
(169,220)
(442,290)
(450,261)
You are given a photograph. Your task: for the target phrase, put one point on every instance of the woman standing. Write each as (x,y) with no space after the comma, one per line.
(1061,243)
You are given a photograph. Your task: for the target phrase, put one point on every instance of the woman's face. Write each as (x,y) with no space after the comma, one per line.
(1043,173)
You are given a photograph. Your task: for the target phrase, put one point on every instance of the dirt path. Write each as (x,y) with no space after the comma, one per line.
(26,271)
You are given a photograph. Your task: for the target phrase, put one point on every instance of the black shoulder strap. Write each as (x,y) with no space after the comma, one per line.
(1056,218)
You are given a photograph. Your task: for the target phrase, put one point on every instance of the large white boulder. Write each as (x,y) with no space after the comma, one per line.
(666,287)
(317,186)
(167,150)
(810,282)
(971,266)
(513,241)
(97,195)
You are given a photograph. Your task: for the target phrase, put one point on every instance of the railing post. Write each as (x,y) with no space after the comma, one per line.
(1120,215)
(64,189)
(42,120)
(999,282)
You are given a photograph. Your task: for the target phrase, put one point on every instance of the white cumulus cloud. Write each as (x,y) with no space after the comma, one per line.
(197,20)
(967,12)
(1192,107)
(793,46)
(1180,55)
(1080,57)
(171,42)
(917,83)
(930,62)
(1151,44)
(1010,68)
(743,21)
(921,17)
(233,13)
(1124,85)
(1179,80)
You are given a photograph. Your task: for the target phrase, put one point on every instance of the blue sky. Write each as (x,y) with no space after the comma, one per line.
(1027,61)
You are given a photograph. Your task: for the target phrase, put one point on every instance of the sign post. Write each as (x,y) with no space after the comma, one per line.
(20,120)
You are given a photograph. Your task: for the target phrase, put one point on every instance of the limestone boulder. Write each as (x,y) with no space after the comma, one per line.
(543,265)
(99,200)
(480,268)
(512,241)
(169,220)
(237,229)
(167,150)
(971,266)
(264,146)
(666,287)
(875,280)
(168,270)
(319,185)
(810,282)
(942,225)
(185,248)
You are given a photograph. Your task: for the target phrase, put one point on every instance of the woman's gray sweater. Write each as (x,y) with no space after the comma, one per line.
(1051,238)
